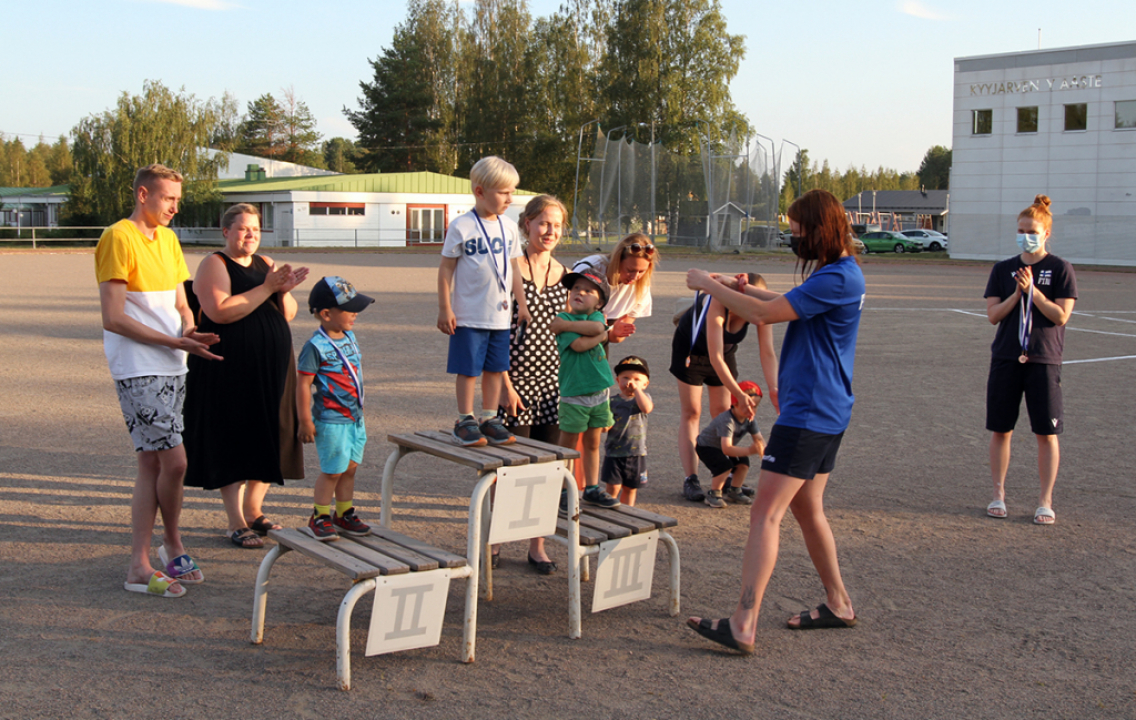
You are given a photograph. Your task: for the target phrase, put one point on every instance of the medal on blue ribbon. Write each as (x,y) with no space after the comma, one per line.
(1026,324)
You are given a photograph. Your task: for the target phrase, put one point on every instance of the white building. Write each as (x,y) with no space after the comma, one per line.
(379,210)
(1056,122)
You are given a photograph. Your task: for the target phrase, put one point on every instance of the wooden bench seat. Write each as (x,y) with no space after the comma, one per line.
(362,559)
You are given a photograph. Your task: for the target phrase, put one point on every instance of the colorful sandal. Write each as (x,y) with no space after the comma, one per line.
(160,585)
(180,566)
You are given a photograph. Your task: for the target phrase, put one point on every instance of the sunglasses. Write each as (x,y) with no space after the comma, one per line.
(647,248)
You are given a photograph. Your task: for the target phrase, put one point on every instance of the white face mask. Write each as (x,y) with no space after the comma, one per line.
(1029,243)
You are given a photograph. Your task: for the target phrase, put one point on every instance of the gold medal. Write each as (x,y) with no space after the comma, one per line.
(1023,358)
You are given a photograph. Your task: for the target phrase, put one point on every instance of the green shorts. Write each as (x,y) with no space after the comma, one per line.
(578,418)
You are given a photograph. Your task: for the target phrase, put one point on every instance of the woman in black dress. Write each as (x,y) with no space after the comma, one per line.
(240,413)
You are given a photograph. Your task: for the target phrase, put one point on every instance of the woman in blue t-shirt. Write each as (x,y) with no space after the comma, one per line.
(815,382)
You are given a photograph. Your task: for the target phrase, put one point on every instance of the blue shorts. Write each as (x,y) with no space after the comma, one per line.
(473,351)
(340,444)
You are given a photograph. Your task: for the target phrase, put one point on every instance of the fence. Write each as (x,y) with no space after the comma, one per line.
(48,234)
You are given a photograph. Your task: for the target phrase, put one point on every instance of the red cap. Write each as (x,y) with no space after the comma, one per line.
(749,388)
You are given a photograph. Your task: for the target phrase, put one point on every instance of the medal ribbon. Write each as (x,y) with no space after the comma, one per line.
(697,324)
(346,363)
(1026,324)
(504,270)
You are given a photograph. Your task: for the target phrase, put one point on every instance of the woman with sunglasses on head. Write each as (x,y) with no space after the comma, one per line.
(628,269)
(1029,297)
(815,380)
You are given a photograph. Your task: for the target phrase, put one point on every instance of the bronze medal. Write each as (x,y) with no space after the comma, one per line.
(688,361)
(1023,358)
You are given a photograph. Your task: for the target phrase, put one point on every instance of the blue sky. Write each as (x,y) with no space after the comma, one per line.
(859,83)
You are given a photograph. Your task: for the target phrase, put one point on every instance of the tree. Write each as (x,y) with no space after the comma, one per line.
(406,114)
(935,170)
(339,155)
(158,126)
(300,137)
(262,131)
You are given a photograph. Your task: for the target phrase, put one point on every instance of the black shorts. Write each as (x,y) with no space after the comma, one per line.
(630,472)
(1039,382)
(701,372)
(800,453)
(717,461)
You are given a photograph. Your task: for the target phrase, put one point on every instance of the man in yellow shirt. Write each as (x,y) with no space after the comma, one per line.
(147,330)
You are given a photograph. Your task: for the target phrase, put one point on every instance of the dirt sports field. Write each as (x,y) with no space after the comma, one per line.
(961,616)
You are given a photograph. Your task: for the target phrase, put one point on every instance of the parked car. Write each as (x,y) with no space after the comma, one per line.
(859,229)
(931,239)
(859,246)
(761,236)
(886,240)
(783,239)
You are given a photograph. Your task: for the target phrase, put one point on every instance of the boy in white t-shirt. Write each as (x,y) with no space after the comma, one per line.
(479,268)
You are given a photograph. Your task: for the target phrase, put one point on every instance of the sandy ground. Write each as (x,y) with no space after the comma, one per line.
(961,615)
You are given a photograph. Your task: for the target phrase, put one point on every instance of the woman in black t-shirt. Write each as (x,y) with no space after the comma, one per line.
(1030,297)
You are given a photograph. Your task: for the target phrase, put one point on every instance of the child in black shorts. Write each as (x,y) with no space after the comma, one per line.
(718,450)
(625,463)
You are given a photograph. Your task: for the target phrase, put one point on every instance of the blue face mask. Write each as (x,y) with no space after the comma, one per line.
(1029,243)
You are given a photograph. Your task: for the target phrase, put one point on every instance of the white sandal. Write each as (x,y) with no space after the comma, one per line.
(1044,512)
(993,507)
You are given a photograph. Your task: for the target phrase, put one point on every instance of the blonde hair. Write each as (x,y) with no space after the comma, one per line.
(146,176)
(493,173)
(236,211)
(536,206)
(1039,211)
(623,250)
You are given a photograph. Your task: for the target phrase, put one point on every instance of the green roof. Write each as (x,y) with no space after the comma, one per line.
(407,183)
(54,190)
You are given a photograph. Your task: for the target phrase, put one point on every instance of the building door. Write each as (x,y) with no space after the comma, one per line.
(425,224)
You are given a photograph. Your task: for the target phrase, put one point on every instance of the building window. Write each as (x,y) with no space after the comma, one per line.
(330,208)
(1077,116)
(1126,114)
(1027,119)
(982,122)
(426,223)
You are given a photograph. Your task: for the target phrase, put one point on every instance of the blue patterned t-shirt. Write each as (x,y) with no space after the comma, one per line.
(335,399)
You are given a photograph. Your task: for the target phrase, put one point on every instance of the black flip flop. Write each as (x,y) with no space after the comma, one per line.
(262,525)
(241,537)
(825,619)
(721,635)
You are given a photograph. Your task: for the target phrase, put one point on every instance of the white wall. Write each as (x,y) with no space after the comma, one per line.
(1089,175)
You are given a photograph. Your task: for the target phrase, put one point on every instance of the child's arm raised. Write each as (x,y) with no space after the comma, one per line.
(447,323)
(586,328)
(642,399)
(584,344)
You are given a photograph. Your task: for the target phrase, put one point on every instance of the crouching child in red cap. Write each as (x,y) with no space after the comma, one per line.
(329,398)
(718,449)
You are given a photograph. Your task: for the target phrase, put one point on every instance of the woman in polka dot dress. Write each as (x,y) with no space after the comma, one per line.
(532,391)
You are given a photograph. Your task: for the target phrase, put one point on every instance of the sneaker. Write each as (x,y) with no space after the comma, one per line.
(599,497)
(496,433)
(748,491)
(714,499)
(321,528)
(736,495)
(692,490)
(467,433)
(350,524)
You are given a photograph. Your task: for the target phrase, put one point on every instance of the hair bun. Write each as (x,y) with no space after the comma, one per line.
(1041,201)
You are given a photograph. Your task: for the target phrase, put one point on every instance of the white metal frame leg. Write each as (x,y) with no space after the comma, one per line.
(343,630)
(676,570)
(475,541)
(260,592)
(575,557)
(387,487)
